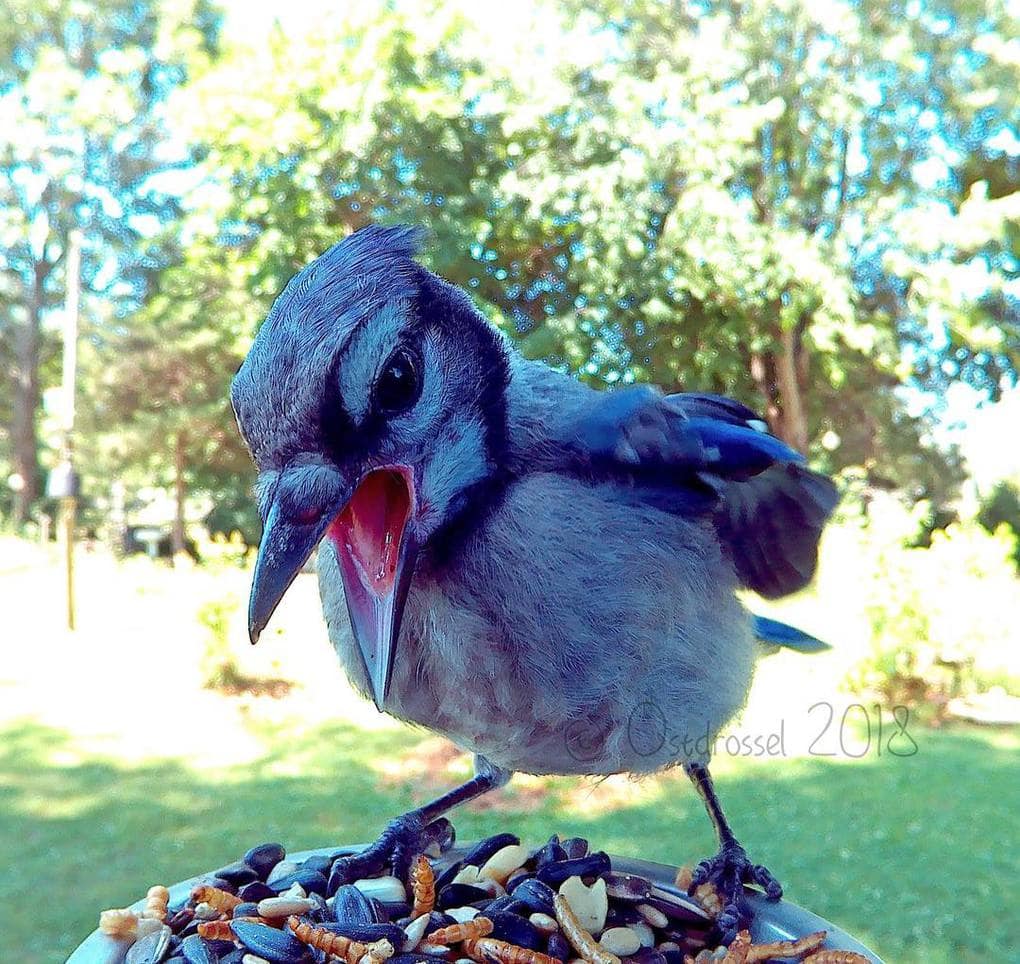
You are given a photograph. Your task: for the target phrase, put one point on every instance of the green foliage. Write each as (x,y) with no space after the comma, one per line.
(82,87)
(938,628)
(235,512)
(160,404)
(755,220)
(219,668)
(1001,507)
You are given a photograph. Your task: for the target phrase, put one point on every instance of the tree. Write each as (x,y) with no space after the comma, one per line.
(81,85)
(795,158)
(776,202)
(1001,507)
(159,386)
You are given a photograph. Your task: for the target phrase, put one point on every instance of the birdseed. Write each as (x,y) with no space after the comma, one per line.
(534,912)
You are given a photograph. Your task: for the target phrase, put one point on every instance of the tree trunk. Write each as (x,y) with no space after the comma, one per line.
(25,404)
(177,537)
(793,424)
(763,373)
(780,377)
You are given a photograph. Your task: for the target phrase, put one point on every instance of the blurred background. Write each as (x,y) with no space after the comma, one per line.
(812,207)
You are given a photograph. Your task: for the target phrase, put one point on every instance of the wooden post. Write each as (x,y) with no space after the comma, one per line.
(178,538)
(69,501)
(68,505)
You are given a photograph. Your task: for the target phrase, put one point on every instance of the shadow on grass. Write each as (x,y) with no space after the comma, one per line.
(909,854)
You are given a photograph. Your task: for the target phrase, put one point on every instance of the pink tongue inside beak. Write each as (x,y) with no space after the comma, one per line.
(376,553)
(368,532)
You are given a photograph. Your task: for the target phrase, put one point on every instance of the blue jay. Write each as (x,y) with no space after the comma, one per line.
(543,572)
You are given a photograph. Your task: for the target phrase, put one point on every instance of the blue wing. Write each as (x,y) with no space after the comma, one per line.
(771,632)
(771,525)
(704,453)
(640,428)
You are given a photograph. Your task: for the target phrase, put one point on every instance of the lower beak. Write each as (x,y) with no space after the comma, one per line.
(376,551)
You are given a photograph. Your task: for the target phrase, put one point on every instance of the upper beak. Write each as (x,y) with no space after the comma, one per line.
(285,547)
(376,551)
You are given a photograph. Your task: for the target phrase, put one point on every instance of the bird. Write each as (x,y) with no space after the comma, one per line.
(544,572)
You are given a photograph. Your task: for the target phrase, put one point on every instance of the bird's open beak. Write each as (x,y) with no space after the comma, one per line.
(376,551)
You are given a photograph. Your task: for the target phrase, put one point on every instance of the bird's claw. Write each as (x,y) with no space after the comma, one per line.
(728,871)
(403,839)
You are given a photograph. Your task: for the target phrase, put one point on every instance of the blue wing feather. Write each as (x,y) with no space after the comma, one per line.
(736,451)
(695,453)
(650,433)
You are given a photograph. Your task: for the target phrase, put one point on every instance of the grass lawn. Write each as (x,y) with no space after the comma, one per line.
(907,854)
(119,770)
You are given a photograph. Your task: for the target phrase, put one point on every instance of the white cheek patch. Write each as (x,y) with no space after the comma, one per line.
(369,348)
(457,460)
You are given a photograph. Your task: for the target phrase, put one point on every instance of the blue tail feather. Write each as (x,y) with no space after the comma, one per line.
(774,633)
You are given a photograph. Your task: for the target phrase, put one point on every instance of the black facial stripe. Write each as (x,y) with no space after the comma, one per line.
(336,427)
(451,312)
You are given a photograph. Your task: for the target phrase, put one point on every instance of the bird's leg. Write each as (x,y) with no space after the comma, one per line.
(730,868)
(409,834)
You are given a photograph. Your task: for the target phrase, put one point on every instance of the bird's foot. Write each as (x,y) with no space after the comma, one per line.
(728,871)
(396,847)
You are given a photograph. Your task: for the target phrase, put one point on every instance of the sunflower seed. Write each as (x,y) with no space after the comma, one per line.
(276,907)
(503,862)
(589,904)
(413,933)
(382,888)
(150,949)
(627,887)
(484,849)
(621,941)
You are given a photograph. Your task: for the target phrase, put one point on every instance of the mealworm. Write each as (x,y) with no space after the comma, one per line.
(156,901)
(423,886)
(762,952)
(218,899)
(468,931)
(351,951)
(215,930)
(708,896)
(118,922)
(836,957)
(485,950)
(579,938)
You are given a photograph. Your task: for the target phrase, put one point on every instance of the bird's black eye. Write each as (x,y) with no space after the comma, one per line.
(399,385)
